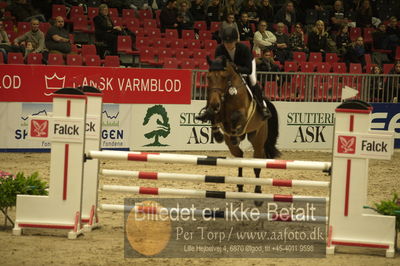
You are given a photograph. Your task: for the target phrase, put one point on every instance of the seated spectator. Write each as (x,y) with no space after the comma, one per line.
(169,16)
(296,39)
(263,38)
(22,10)
(343,39)
(393,28)
(33,40)
(286,14)
(250,7)
(106,32)
(185,18)
(338,16)
(364,15)
(282,51)
(356,52)
(244,27)
(57,38)
(230,8)
(266,63)
(5,45)
(198,10)
(228,22)
(380,38)
(318,38)
(266,12)
(376,84)
(214,12)
(137,4)
(393,83)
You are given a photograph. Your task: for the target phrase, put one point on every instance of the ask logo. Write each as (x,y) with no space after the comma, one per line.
(39,128)
(347,144)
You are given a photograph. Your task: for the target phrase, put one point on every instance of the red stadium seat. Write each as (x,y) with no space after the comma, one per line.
(92,60)
(193,44)
(35,59)
(113,12)
(354,33)
(188,34)
(315,57)
(76,11)
(15,58)
(184,53)
(210,44)
(23,27)
(215,26)
(171,63)
(128,13)
(145,14)
(88,49)
(171,33)
(111,61)
(92,12)
(205,35)
(125,45)
(323,67)
(189,63)
(331,58)
(307,67)
(59,10)
(339,68)
(74,60)
(291,66)
(55,59)
(44,26)
(149,23)
(176,43)
(299,56)
(200,25)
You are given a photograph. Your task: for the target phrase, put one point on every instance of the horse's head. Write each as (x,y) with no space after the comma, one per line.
(219,79)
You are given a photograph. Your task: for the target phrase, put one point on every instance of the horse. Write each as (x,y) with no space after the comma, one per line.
(235,114)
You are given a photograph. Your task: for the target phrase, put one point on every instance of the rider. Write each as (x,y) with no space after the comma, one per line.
(239,54)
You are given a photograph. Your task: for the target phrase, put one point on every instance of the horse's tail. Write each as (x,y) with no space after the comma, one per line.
(273,132)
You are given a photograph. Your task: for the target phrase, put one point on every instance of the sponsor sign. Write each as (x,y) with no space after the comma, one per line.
(386,116)
(372,145)
(24,83)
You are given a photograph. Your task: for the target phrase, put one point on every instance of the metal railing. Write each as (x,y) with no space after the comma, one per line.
(314,87)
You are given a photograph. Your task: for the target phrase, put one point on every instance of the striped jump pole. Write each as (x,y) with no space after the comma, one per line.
(210,213)
(214,179)
(205,160)
(212,194)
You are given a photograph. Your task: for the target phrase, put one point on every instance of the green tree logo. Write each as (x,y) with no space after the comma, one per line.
(158,116)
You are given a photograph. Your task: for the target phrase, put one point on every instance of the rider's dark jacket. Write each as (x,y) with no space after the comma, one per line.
(243,57)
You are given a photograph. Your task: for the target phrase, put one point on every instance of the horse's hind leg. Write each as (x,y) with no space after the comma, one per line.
(237,152)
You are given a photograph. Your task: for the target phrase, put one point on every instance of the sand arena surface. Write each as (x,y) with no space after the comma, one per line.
(105,246)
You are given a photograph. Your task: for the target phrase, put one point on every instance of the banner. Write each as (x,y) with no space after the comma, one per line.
(386,116)
(25,83)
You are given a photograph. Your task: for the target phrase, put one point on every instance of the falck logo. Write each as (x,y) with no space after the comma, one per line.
(39,128)
(347,144)
(54,83)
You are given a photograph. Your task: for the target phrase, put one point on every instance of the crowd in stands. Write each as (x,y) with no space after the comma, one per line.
(364,32)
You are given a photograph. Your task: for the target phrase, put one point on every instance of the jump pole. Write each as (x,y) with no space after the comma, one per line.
(214,179)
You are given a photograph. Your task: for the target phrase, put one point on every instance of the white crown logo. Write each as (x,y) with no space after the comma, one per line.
(54,83)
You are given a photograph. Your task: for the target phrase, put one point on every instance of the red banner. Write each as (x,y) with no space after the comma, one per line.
(27,83)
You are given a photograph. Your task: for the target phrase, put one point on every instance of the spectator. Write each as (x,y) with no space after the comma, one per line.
(282,51)
(364,15)
(356,53)
(185,18)
(266,63)
(380,38)
(245,30)
(318,38)
(169,16)
(376,84)
(57,38)
(24,11)
(214,12)
(266,12)
(393,29)
(5,45)
(296,39)
(106,32)
(228,22)
(263,38)
(286,14)
(250,7)
(230,8)
(338,16)
(198,10)
(343,39)
(393,83)
(33,40)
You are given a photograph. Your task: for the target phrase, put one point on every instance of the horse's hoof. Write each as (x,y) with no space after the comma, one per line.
(240,188)
(257,189)
(219,138)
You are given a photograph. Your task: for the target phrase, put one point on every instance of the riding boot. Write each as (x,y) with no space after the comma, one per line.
(261,105)
(205,116)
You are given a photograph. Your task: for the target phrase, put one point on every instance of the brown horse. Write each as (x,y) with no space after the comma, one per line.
(236,116)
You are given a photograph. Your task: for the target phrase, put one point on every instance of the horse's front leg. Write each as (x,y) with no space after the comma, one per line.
(237,152)
(216,133)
